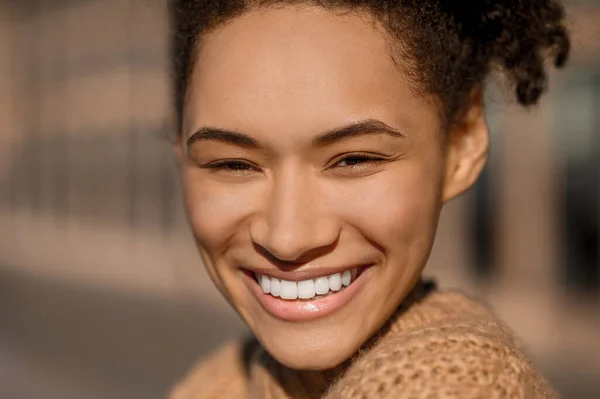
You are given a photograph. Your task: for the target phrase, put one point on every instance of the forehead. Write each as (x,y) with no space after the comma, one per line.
(301,68)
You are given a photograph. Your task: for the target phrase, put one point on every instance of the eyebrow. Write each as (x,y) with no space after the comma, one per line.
(361,128)
(227,136)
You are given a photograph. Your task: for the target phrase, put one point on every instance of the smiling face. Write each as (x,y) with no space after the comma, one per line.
(313,178)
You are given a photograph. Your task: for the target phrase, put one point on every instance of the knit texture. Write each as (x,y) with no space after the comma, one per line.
(437,345)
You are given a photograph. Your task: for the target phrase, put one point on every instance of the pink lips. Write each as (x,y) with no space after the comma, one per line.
(300,310)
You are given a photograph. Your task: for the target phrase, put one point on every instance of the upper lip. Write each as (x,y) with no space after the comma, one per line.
(304,273)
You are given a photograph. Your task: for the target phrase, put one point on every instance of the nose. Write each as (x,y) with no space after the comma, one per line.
(295,225)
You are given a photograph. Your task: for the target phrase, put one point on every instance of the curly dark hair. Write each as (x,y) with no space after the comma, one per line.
(451,45)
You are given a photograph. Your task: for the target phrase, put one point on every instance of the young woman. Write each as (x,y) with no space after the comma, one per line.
(317,143)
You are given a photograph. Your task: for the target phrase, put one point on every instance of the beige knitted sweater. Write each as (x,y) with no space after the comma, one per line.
(437,345)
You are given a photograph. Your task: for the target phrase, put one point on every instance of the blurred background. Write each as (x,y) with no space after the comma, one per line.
(102,294)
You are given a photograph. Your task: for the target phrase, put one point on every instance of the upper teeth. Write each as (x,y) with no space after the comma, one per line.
(305,289)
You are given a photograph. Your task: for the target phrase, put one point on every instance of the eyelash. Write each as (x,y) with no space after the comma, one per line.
(238,166)
(364,157)
(232,166)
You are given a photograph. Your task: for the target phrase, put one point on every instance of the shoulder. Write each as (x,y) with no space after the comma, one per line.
(224,374)
(463,352)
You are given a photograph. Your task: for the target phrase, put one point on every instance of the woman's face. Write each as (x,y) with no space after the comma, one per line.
(309,164)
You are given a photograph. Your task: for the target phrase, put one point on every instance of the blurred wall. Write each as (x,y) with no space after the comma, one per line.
(102,292)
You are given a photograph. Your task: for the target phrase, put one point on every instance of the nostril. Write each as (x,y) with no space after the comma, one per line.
(300,258)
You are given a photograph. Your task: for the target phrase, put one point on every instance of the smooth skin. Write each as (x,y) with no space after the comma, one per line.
(304,146)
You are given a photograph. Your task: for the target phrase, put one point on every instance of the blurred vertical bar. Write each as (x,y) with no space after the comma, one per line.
(578,131)
(28,170)
(35,109)
(596,162)
(46,146)
(63,178)
(8,121)
(131,125)
(528,223)
(150,99)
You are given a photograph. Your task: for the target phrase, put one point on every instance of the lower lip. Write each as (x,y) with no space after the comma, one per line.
(304,310)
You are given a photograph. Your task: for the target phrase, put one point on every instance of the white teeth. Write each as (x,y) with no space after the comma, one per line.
(289,289)
(275,287)
(265,284)
(322,285)
(306,289)
(346,278)
(335,282)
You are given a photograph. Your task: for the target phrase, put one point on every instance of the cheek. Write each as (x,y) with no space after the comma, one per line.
(398,210)
(215,212)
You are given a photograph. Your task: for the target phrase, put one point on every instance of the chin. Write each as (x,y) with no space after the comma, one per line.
(317,345)
(304,356)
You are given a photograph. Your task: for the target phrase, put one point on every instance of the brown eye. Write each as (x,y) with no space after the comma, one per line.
(353,160)
(232,165)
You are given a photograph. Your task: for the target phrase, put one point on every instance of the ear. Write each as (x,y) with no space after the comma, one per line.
(467,148)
